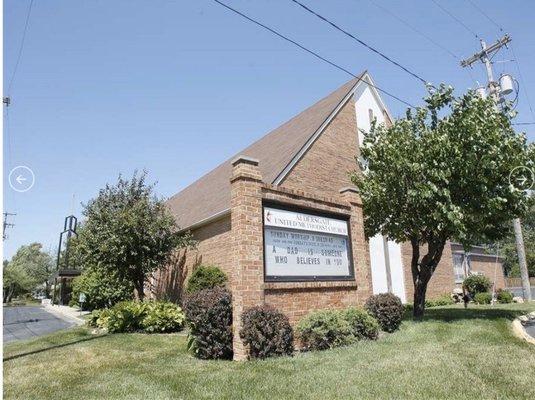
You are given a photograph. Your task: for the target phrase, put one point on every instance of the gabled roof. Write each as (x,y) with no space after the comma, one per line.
(209,196)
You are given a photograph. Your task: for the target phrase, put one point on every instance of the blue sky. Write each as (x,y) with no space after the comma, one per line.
(176,87)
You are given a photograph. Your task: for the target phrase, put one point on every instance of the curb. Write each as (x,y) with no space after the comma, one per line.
(520,332)
(63,316)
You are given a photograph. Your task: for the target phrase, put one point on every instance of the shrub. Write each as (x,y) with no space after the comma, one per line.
(126,316)
(504,296)
(101,289)
(209,316)
(266,332)
(483,298)
(362,324)
(387,310)
(162,317)
(99,318)
(477,284)
(206,277)
(444,300)
(325,329)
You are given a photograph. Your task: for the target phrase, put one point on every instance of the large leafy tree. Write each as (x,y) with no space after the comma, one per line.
(36,264)
(16,281)
(128,232)
(442,173)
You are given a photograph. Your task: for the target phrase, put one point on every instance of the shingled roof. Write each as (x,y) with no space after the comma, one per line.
(210,195)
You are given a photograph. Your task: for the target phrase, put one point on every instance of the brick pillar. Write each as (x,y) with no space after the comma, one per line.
(247,278)
(359,244)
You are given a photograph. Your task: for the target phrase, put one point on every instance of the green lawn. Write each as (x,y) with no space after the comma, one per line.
(452,354)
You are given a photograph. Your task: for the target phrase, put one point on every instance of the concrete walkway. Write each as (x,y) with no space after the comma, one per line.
(67,313)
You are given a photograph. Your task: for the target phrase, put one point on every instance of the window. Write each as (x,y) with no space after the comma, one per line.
(460,270)
(370,115)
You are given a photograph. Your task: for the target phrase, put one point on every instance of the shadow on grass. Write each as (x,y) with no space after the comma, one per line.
(56,346)
(451,314)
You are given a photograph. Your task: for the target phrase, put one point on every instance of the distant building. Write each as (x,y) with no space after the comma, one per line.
(283,221)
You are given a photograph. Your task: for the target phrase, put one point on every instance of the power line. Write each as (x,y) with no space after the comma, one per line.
(414,29)
(456,19)
(19,56)
(523,123)
(485,15)
(361,42)
(309,51)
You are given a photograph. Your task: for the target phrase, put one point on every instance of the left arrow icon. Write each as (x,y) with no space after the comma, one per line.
(20,179)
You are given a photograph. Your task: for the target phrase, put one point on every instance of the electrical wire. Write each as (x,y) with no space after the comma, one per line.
(425,82)
(523,82)
(486,15)
(523,123)
(456,19)
(414,29)
(19,56)
(310,51)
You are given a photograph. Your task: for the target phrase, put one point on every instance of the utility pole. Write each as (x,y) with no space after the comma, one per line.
(494,89)
(7,224)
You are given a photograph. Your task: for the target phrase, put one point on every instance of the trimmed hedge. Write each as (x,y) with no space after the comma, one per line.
(266,332)
(444,300)
(321,330)
(483,298)
(504,296)
(206,277)
(209,316)
(362,324)
(387,309)
(477,284)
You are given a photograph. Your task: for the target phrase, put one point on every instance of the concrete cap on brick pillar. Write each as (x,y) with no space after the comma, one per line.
(351,194)
(244,167)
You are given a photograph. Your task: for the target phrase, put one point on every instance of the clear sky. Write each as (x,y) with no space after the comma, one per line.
(176,87)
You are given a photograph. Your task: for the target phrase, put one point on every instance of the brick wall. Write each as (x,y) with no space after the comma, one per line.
(487,266)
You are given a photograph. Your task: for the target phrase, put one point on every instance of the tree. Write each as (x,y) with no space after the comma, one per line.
(16,281)
(442,173)
(35,263)
(128,232)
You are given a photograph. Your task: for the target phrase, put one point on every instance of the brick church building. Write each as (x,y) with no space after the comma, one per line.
(282,219)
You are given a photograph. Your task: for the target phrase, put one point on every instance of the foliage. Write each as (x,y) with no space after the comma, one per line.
(387,309)
(483,298)
(209,316)
(504,296)
(29,268)
(444,300)
(206,277)
(129,232)
(442,173)
(477,284)
(325,329)
(163,317)
(138,316)
(266,332)
(102,289)
(363,325)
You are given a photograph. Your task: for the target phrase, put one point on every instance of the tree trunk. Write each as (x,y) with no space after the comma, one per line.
(140,289)
(422,271)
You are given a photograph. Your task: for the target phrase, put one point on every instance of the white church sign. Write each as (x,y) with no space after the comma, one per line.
(299,246)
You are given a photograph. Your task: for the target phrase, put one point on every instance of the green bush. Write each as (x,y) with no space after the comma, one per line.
(363,325)
(483,298)
(162,317)
(324,329)
(444,300)
(476,284)
(387,309)
(101,289)
(504,296)
(136,316)
(206,277)
(209,316)
(266,332)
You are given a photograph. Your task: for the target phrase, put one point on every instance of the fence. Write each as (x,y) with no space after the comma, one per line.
(517,282)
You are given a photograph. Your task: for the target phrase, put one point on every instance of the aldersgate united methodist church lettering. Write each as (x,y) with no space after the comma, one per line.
(300,246)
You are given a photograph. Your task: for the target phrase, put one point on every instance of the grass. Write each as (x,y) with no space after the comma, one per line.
(453,353)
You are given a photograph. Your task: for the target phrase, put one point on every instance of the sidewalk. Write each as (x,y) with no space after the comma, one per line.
(67,313)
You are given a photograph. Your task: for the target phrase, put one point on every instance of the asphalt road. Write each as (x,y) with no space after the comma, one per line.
(30,321)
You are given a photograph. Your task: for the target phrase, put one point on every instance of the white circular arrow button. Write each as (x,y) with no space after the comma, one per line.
(21,178)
